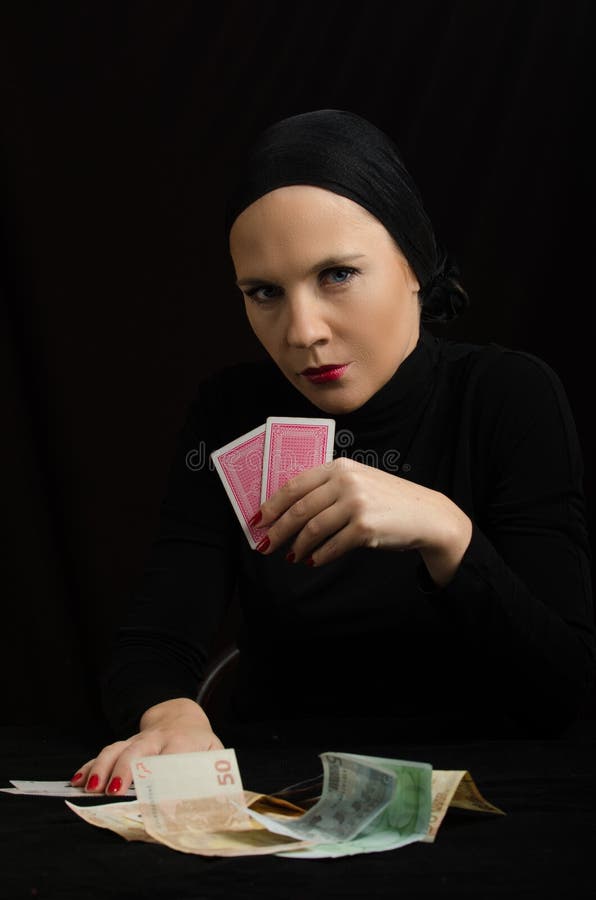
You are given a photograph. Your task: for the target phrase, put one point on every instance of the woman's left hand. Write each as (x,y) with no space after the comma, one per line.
(344,504)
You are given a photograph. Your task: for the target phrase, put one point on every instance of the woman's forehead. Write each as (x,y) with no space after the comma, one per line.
(289,212)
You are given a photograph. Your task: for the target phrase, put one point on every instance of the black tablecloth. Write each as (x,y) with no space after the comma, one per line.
(544,846)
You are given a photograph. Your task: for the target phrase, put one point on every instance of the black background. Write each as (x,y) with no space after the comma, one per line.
(121,124)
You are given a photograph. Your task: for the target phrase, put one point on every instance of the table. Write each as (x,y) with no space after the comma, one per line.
(543,847)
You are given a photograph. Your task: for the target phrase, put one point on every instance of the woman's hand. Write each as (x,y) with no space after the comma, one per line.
(344,504)
(174,726)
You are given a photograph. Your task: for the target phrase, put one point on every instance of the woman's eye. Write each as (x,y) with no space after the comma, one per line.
(254,293)
(349,271)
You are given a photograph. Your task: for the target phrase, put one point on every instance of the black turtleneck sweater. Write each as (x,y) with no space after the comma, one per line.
(508,640)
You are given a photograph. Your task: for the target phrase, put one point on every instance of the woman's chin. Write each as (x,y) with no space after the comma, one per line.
(334,403)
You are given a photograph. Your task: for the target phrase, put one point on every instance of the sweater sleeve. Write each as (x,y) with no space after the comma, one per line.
(521,598)
(164,638)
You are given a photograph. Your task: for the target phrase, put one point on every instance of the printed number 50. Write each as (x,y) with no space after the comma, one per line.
(223,767)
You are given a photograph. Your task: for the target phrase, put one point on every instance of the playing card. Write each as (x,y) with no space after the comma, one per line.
(292,445)
(240,467)
(54,789)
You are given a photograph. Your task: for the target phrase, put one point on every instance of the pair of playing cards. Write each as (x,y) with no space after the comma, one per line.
(255,465)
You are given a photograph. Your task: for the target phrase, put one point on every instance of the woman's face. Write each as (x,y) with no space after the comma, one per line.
(324,283)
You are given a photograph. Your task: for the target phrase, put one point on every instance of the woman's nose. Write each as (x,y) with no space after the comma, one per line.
(306,324)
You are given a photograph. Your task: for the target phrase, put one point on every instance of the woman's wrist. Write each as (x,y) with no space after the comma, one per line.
(178,706)
(443,555)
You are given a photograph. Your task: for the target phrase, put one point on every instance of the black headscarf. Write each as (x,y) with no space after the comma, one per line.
(345,153)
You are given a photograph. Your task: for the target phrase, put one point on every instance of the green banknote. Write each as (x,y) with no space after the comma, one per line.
(367,804)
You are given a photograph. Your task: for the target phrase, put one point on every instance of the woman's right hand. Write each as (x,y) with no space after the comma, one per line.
(174,726)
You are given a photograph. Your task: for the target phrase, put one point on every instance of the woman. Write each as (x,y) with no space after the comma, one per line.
(462,457)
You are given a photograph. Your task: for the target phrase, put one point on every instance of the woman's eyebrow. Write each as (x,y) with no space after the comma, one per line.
(322,264)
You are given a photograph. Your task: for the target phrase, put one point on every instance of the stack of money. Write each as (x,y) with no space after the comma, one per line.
(195,803)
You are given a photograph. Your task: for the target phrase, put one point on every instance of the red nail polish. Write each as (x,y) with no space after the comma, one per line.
(256,518)
(291,556)
(264,544)
(93,782)
(310,561)
(76,777)
(114,785)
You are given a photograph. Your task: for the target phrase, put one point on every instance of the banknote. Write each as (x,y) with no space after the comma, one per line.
(368,804)
(125,819)
(455,788)
(194,790)
(194,802)
(354,794)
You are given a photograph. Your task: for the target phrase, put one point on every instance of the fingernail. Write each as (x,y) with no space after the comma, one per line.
(114,785)
(256,518)
(93,782)
(310,561)
(76,777)
(263,545)
(291,556)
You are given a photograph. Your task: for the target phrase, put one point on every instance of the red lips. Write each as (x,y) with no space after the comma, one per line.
(322,369)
